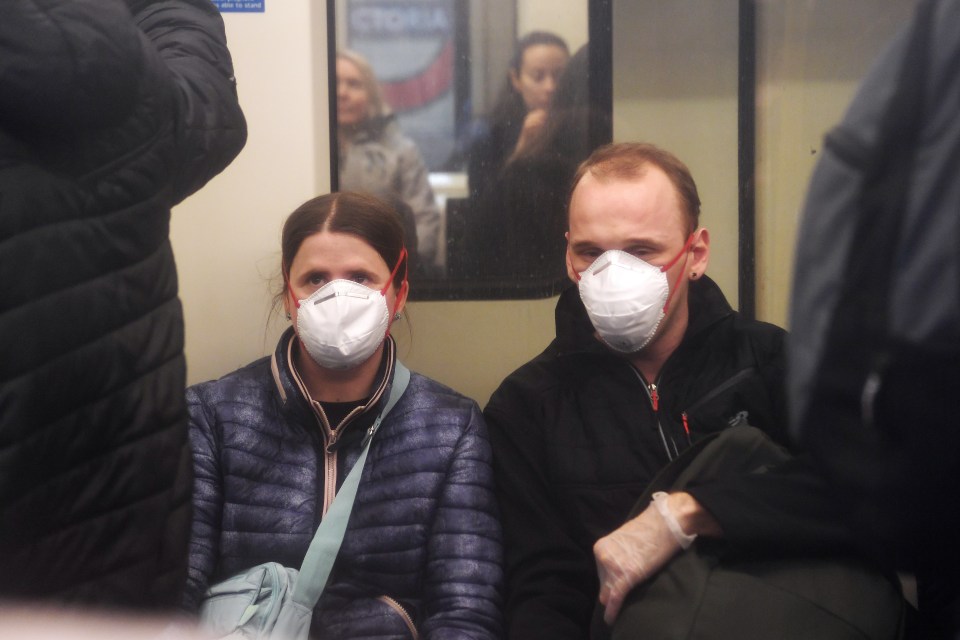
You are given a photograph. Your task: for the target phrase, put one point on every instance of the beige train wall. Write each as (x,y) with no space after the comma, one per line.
(675,85)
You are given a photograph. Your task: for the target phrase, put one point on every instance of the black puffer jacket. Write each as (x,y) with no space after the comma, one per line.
(577,437)
(107,120)
(422,547)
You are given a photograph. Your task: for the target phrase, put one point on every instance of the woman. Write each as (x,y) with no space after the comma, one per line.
(523,221)
(273,440)
(376,157)
(521,110)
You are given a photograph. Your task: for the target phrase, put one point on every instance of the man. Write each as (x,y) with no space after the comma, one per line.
(648,359)
(110,114)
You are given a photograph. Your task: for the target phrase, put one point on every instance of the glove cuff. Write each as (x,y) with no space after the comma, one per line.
(660,502)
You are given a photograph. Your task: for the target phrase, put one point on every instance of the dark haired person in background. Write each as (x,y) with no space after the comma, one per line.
(515,232)
(521,109)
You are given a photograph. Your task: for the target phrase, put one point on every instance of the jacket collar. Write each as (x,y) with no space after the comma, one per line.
(293,394)
(575,333)
(373,128)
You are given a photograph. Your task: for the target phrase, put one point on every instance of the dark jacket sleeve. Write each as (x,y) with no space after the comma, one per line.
(209,127)
(464,576)
(550,590)
(43,86)
(207,501)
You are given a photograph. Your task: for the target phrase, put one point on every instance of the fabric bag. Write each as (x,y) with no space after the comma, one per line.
(273,602)
(705,593)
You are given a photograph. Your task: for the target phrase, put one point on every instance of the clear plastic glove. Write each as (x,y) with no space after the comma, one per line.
(636,551)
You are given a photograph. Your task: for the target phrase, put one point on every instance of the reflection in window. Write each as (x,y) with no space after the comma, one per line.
(376,157)
(483,183)
(522,211)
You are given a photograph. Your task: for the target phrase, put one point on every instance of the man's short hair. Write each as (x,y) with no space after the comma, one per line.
(626,160)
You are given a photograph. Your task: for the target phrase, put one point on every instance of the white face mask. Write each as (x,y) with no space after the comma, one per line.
(342,323)
(626,298)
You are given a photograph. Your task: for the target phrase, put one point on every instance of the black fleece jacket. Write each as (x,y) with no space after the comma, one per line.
(577,437)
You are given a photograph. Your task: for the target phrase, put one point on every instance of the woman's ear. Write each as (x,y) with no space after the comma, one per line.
(402,296)
(515,80)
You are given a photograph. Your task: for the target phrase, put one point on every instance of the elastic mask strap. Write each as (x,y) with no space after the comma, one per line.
(293,295)
(666,267)
(393,274)
(406,273)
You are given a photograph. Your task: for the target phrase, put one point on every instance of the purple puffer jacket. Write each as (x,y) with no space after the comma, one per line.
(422,552)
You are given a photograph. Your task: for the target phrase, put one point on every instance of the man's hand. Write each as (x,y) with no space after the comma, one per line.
(643,545)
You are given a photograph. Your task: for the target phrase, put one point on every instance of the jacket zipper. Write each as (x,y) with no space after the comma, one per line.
(330,437)
(654,396)
(396,606)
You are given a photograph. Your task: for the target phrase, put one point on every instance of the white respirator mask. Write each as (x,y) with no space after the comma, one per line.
(627,298)
(342,323)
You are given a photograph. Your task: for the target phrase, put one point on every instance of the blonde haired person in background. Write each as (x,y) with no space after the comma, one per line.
(377,158)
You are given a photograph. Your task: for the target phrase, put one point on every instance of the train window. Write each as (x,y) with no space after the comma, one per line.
(454,127)
(471,115)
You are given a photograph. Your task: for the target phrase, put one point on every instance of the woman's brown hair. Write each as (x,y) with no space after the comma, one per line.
(369,218)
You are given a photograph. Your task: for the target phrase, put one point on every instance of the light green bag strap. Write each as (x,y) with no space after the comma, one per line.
(325,546)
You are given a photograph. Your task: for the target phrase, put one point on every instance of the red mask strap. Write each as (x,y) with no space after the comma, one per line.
(293,296)
(393,274)
(686,245)
(666,267)
(396,267)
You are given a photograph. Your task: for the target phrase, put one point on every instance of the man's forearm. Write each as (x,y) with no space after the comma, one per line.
(692,517)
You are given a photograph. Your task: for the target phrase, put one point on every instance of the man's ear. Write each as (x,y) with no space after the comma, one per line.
(571,272)
(700,250)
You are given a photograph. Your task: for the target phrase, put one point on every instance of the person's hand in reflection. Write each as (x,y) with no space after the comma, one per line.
(520,111)
(533,125)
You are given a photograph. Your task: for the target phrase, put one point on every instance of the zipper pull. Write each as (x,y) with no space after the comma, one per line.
(686,425)
(654,397)
(332,440)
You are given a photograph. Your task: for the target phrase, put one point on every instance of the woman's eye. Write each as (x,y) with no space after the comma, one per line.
(360,278)
(316,280)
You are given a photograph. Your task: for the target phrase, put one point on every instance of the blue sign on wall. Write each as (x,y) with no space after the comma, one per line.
(242,6)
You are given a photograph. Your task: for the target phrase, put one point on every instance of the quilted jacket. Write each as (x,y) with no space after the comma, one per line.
(110,114)
(421,554)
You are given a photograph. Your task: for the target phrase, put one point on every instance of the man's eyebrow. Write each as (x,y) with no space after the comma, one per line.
(583,244)
(643,244)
